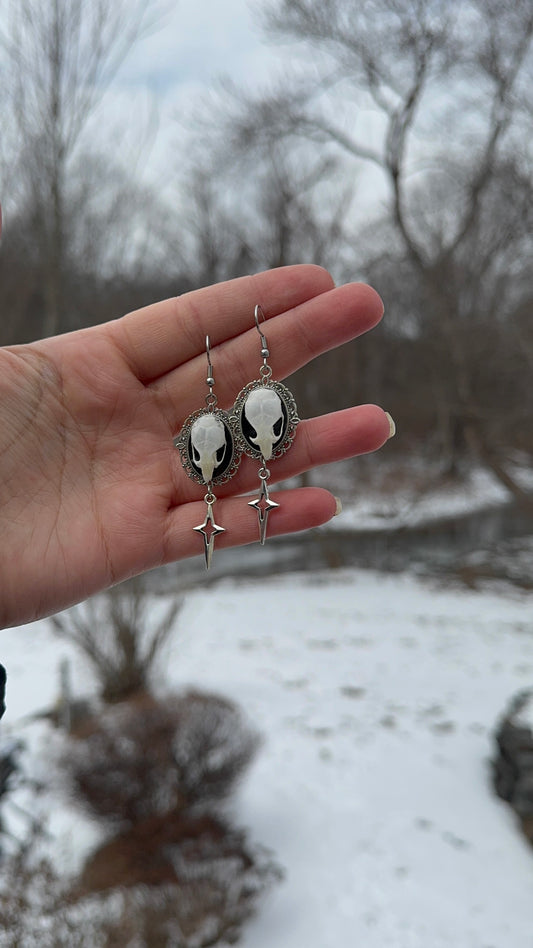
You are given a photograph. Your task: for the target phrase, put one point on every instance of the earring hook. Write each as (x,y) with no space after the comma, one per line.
(211,399)
(264,344)
(210,379)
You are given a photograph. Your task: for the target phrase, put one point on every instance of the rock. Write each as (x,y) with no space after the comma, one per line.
(512,765)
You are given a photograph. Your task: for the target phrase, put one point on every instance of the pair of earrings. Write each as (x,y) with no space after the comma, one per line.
(262,425)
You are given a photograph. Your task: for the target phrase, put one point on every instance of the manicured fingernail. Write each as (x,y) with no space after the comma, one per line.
(338,506)
(392,426)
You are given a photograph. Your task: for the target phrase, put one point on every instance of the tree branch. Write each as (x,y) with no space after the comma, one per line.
(500,118)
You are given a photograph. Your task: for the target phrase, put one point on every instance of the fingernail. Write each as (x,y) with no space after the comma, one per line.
(338,506)
(392,426)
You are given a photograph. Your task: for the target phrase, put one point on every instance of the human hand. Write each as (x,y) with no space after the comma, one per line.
(92,490)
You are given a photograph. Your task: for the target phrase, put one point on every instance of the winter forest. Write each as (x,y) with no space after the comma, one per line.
(327,740)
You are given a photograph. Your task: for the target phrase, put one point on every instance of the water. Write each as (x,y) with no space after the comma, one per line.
(496,541)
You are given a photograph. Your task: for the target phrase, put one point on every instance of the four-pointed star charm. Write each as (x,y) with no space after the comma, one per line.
(209,530)
(263,505)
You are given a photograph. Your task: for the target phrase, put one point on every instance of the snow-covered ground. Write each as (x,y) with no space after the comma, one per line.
(414,502)
(376,695)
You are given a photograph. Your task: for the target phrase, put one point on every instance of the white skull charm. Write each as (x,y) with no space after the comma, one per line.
(263,411)
(266,417)
(207,447)
(208,441)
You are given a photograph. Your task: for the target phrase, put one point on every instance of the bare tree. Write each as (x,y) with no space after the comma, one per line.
(210,244)
(284,206)
(56,62)
(447,88)
(297,211)
(117,256)
(239,216)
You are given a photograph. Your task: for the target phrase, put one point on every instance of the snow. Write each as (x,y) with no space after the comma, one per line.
(376,695)
(410,504)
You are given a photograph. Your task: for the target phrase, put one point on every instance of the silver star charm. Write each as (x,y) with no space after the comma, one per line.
(209,530)
(263,505)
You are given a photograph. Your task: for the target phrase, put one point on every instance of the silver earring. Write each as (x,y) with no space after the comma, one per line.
(209,454)
(265,416)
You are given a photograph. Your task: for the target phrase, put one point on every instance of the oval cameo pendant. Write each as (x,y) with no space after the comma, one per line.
(266,417)
(207,447)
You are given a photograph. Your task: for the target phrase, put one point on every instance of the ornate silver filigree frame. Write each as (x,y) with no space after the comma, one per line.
(291,410)
(183,440)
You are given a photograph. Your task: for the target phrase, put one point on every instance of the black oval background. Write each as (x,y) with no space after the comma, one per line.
(226,458)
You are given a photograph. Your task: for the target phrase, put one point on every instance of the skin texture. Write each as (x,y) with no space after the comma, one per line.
(92,490)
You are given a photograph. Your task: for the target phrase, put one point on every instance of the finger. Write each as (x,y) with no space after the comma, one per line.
(294,339)
(160,337)
(335,437)
(298,509)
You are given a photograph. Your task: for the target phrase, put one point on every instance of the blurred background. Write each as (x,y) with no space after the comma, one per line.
(149,148)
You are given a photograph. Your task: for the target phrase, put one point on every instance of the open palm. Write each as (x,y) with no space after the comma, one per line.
(92,489)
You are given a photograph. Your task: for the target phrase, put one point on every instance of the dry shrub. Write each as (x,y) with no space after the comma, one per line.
(177,874)
(198,881)
(122,634)
(161,770)
(149,757)
(34,902)
(206,909)
(163,849)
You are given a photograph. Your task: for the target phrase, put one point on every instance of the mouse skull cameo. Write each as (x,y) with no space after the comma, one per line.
(208,442)
(266,417)
(264,413)
(207,447)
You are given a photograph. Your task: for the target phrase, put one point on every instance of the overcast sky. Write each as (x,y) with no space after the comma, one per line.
(198,42)
(195,43)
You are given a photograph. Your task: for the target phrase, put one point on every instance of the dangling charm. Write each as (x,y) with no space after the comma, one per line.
(209,455)
(266,417)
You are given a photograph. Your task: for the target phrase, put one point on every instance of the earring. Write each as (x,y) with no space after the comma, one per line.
(209,455)
(265,416)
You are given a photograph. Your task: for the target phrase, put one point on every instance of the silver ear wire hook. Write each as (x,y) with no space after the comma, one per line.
(210,380)
(258,312)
